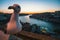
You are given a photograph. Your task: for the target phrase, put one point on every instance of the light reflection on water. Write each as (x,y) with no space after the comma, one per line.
(43,24)
(24,18)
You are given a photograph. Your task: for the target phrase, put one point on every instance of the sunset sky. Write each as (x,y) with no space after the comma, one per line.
(31,5)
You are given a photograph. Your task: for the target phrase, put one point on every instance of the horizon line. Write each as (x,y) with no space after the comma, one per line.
(29,12)
(41,11)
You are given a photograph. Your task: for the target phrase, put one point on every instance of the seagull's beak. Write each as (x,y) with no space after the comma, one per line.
(10,7)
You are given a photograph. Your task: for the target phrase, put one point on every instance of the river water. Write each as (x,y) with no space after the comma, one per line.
(48,26)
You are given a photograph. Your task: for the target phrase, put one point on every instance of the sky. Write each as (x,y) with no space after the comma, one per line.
(31,5)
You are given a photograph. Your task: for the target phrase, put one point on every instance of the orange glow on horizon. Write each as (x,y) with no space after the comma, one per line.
(41,11)
(7,11)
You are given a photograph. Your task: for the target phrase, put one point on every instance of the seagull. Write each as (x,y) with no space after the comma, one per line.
(14,26)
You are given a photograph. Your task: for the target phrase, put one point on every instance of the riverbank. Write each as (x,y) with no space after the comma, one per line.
(48,16)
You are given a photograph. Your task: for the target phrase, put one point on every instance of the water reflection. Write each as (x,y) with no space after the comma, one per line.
(24,18)
(47,26)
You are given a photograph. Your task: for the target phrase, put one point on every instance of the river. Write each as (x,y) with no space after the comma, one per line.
(48,26)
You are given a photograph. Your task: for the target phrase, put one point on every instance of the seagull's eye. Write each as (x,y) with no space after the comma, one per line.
(18,7)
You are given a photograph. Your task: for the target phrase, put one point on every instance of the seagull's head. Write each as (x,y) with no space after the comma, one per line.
(15,7)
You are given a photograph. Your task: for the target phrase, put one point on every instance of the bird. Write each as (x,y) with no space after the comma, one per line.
(14,26)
